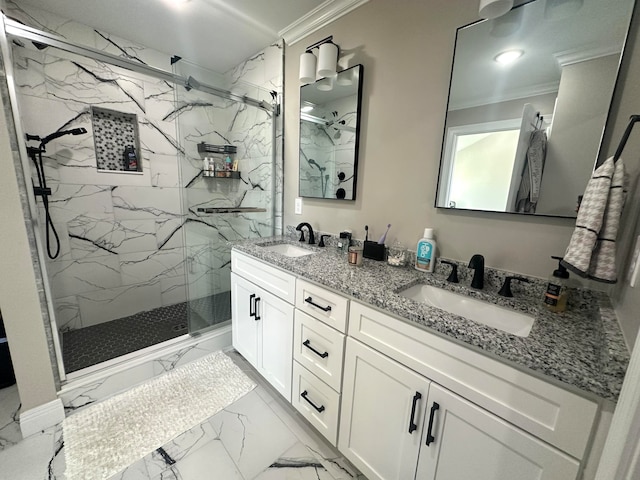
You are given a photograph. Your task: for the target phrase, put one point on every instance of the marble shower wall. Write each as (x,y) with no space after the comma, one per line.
(330,146)
(132,242)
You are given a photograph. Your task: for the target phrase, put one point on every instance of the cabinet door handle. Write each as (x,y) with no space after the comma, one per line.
(319,409)
(412,426)
(255,309)
(324,309)
(307,344)
(252,305)
(430,437)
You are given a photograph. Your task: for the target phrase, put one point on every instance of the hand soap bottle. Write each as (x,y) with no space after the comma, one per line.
(555,298)
(426,252)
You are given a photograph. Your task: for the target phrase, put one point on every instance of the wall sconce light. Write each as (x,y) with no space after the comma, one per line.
(325,84)
(494,8)
(326,62)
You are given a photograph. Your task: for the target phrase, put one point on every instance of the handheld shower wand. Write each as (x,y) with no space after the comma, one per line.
(41,190)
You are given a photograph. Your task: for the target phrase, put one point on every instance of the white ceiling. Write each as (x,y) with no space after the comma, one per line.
(548,38)
(217,34)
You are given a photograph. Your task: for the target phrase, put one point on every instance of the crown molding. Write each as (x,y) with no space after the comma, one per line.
(317,18)
(513,94)
(570,57)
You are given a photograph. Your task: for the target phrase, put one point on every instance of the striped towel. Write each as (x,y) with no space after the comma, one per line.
(592,249)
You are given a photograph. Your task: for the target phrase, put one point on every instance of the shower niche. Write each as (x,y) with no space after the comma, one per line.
(116,139)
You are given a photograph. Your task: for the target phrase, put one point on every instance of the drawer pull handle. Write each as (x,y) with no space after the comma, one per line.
(252,305)
(412,426)
(430,437)
(307,344)
(319,409)
(324,309)
(256,309)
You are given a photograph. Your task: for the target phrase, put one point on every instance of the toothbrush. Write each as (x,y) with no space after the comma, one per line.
(366,235)
(384,236)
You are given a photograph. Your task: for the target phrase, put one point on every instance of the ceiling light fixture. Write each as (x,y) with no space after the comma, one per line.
(326,62)
(494,8)
(508,57)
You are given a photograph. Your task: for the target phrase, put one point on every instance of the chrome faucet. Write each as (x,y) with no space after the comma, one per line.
(477,263)
(312,239)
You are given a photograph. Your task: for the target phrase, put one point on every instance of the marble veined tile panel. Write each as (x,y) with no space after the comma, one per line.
(85,275)
(164,170)
(157,264)
(93,237)
(10,433)
(297,463)
(159,97)
(125,48)
(90,82)
(28,70)
(67,313)
(68,201)
(173,290)
(169,232)
(252,434)
(47,21)
(103,305)
(146,202)
(158,137)
(59,115)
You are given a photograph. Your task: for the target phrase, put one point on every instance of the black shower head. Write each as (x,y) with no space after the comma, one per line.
(53,136)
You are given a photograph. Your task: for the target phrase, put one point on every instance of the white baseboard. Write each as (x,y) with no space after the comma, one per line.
(37,419)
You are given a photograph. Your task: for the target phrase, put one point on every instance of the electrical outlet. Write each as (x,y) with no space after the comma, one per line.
(635,264)
(298,206)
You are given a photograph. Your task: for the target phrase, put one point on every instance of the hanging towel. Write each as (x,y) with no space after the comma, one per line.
(529,191)
(592,248)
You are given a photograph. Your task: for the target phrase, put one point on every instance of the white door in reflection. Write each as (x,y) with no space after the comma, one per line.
(482,164)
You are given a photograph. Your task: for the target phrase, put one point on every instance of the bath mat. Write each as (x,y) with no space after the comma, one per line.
(107,437)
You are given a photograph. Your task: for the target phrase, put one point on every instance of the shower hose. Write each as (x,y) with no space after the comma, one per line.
(41,190)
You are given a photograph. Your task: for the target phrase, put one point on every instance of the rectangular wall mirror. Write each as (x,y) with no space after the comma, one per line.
(329,135)
(523,131)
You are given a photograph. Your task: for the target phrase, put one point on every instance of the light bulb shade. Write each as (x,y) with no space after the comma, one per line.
(327,59)
(307,67)
(325,84)
(494,8)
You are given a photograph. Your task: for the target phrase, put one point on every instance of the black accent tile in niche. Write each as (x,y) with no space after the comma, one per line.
(113,132)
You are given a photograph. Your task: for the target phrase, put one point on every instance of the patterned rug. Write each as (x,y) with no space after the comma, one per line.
(107,437)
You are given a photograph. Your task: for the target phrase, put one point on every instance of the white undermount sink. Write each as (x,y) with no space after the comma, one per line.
(289,250)
(502,318)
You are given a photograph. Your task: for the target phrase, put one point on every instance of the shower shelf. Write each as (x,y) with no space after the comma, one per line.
(221,174)
(230,210)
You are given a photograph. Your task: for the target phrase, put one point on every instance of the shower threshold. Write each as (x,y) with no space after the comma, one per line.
(96,344)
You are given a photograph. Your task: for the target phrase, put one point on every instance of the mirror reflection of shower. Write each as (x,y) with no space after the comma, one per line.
(324,178)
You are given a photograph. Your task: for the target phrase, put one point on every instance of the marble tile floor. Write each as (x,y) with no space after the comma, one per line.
(258,437)
(95,344)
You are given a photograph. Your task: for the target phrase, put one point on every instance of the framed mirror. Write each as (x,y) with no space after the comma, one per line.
(528,102)
(329,135)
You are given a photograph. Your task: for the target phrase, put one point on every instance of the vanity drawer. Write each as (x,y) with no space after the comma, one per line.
(551,413)
(275,281)
(316,401)
(319,349)
(322,304)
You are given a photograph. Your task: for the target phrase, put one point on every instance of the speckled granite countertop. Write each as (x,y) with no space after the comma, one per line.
(582,347)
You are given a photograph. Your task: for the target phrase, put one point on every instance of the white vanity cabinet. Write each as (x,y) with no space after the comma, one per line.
(396,424)
(262,319)
(318,352)
(498,419)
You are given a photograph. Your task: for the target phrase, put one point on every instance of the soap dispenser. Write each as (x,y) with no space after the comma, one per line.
(555,298)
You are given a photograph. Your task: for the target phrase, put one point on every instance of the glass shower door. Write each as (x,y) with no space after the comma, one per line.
(227,171)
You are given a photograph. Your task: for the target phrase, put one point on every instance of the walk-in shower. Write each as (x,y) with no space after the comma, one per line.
(137,252)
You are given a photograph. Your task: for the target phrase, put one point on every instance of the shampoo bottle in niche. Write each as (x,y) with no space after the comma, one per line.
(555,298)
(130,159)
(426,252)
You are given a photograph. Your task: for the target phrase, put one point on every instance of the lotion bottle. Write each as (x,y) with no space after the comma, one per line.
(555,298)
(426,252)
